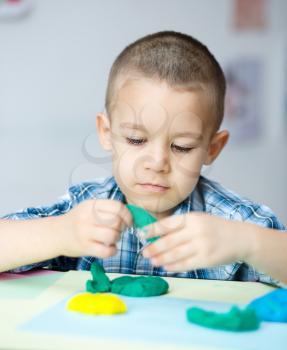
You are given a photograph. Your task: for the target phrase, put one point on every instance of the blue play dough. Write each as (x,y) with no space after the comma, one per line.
(272,306)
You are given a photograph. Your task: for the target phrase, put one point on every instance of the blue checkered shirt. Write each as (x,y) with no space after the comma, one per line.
(208,196)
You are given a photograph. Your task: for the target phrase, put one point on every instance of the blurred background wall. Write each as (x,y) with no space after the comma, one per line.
(53,72)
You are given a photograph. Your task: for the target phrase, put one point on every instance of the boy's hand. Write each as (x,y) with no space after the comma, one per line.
(193,241)
(93,228)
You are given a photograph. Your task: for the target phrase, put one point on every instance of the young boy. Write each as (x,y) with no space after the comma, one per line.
(164,107)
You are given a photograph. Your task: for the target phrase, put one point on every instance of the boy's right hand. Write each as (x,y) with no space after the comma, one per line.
(93,228)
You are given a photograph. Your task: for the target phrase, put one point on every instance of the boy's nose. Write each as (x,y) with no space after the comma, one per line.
(157,161)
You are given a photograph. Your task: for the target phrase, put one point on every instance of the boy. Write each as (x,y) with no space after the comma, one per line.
(164,105)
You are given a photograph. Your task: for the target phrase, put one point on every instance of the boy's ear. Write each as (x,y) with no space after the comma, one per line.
(104,131)
(217,143)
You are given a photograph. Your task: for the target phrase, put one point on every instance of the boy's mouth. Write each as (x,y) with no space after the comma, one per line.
(154,187)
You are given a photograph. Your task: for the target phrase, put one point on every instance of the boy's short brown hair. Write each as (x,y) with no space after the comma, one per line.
(176,58)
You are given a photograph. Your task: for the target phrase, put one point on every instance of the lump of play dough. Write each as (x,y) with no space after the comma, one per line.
(233,320)
(142,286)
(141,219)
(100,282)
(96,304)
(272,306)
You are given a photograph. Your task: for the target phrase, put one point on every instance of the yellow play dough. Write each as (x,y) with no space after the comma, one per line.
(97,304)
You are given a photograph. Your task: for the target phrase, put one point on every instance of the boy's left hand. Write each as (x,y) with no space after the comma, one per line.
(193,241)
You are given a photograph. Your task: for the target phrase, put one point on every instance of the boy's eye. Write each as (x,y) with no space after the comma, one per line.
(182,149)
(135,141)
(141,141)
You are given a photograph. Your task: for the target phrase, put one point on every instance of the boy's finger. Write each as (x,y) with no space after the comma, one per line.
(106,235)
(109,221)
(165,226)
(101,250)
(165,244)
(126,216)
(173,255)
(183,265)
(115,209)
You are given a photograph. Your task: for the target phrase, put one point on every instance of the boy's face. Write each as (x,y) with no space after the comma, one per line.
(158,136)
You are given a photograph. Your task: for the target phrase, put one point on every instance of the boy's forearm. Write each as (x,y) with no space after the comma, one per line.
(24,242)
(266,249)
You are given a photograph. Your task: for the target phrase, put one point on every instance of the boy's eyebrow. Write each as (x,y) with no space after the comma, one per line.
(132,126)
(128,125)
(193,135)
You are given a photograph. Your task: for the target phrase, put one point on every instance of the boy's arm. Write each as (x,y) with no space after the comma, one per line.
(72,228)
(29,238)
(266,238)
(267,251)
(24,242)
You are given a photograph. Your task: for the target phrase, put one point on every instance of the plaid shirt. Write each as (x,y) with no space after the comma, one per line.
(208,196)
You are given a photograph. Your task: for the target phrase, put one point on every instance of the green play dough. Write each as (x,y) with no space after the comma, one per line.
(100,282)
(142,286)
(140,216)
(233,320)
(141,219)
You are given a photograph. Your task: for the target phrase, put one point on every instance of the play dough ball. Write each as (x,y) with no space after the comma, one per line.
(97,304)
